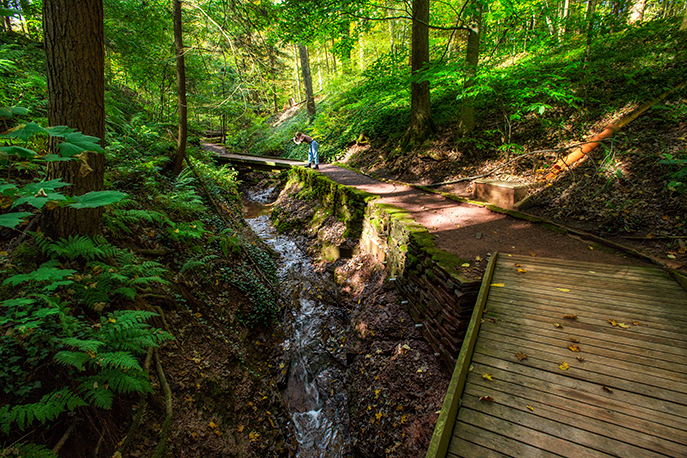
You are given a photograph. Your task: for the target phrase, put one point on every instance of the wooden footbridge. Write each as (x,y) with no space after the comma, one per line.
(257,162)
(569,359)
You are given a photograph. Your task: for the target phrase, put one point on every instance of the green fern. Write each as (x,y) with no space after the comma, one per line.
(123,220)
(46,273)
(201,264)
(28,451)
(48,408)
(72,248)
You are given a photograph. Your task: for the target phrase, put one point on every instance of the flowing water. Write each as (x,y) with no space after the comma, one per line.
(315,388)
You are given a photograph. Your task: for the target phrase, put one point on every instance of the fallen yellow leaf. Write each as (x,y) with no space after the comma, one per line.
(564,366)
(636,323)
(240,428)
(573,347)
(531,408)
(565,290)
(486,398)
(522,271)
(613,322)
(521,356)
(607,389)
(558,325)
(212,424)
(580,358)
(499,285)
(624,326)
(570,317)
(488,376)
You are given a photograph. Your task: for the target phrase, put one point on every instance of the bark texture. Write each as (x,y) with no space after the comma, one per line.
(74,54)
(420,112)
(181,89)
(307,80)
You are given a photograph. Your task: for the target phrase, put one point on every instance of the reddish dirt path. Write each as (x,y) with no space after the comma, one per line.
(473,232)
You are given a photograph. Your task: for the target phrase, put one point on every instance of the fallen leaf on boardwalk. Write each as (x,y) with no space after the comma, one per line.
(492,320)
(574,340)
(558,325)
(607,389)
(488,376)
(636,323)
(521,356)
(486,398)
(580,358)
(624,326)
(471,368)
(531,408)
(613,322)
(564,366)
(532,254)
(565,290)
(467,264)
(499,285)
(573,347)
(518,265)
(570,317)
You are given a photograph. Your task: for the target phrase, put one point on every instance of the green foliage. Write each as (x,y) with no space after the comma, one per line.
(27,451)
(263,301)
(200,264)
(678,175)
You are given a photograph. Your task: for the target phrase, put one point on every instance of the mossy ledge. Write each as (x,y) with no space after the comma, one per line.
(439,297)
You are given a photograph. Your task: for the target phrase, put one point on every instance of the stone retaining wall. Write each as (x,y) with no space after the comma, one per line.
(428,279)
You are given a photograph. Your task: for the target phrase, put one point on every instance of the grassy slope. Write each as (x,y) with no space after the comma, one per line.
(623,191)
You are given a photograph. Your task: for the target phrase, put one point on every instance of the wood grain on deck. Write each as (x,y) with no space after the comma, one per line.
(626,395)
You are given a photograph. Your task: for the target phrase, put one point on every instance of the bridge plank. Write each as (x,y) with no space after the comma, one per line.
(627,398)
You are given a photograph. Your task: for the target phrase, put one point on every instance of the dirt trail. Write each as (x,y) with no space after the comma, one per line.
(472,231)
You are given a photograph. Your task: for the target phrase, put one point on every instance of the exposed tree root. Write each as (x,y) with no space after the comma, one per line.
(161,448)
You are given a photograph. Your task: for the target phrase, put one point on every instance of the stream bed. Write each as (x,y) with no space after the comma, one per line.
(313,348)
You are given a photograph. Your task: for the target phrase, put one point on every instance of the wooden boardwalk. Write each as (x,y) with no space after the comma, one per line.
(258,162)
(570,359)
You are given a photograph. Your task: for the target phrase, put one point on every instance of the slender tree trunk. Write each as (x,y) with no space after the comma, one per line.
(298,75)
(75,63)
(683,26)
(467,115)
(591,11)
(564,17)
(307,80)
(181,89)
(421,125)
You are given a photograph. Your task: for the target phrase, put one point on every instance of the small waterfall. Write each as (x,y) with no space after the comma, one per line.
(315,391)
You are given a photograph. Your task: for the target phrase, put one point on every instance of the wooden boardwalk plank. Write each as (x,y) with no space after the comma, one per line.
(626,397)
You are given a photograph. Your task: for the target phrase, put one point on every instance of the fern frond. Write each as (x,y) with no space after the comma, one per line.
(83,345)
(129,293)
(28,451)
(74,247)
(72,358)
(201,263)
(43,274)
(118,360)
(47,409)
(97,394)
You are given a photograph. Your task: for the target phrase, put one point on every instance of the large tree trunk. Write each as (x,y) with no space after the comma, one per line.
(420,113)
(307,80)
(75,63)
(181,89)
(637,12)
(467,115)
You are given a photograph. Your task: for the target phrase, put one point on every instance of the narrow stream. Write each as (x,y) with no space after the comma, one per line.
(315,390)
